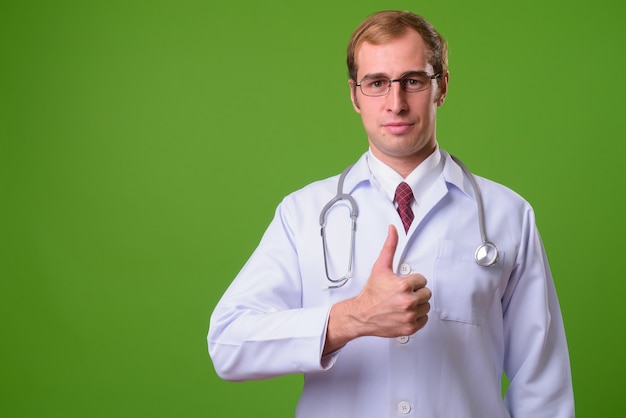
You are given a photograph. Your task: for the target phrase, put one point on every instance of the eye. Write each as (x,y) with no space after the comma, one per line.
(377,84)
(414,81)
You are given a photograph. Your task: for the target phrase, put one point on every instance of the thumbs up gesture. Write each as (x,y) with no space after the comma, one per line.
(388,305)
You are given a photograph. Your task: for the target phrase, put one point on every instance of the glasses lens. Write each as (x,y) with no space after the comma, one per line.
(379,86)
(375,86)
(415,82)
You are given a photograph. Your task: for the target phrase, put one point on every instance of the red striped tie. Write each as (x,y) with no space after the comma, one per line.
(404,197)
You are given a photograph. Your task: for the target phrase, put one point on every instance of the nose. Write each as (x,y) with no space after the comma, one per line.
(396,98)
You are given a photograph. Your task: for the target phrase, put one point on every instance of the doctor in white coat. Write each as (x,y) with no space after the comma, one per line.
(418,328)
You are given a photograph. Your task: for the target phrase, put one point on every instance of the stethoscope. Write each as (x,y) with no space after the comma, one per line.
(486,253)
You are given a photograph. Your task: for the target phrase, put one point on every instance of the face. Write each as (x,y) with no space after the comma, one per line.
(400,126)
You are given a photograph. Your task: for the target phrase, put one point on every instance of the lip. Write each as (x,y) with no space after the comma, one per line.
(398,128)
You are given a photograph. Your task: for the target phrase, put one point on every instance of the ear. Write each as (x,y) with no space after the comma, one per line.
(355,102)
(443,88)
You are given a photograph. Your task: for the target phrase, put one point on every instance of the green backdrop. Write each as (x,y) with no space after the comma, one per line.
(120,122)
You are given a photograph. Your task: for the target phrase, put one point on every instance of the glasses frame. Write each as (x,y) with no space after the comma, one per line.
(402,81)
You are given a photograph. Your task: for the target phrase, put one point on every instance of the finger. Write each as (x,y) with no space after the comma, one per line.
(421,322)
(385,258)
(422,309)
(416,281)
(421,296)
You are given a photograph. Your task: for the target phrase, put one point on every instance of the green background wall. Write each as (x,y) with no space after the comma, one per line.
(120,122)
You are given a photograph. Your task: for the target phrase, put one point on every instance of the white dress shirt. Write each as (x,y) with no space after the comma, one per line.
(483,320)
(421,179)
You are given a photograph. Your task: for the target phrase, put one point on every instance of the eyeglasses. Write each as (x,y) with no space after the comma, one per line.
(410,82)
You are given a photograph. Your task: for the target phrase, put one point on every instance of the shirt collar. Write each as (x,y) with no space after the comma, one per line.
(361,173)
(421,179)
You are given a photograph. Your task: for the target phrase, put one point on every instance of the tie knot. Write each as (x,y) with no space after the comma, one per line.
(404,194)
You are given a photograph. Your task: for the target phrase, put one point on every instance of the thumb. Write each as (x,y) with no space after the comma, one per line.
(385,258)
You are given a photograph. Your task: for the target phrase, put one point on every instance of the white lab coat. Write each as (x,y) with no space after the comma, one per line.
(272,319)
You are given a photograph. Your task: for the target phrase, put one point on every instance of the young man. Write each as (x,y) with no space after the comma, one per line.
(426,325)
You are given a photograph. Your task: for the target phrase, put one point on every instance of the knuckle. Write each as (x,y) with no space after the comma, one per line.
(405,285)
(408,303)
(425,295)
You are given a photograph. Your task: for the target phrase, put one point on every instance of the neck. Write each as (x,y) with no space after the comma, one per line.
(404,164)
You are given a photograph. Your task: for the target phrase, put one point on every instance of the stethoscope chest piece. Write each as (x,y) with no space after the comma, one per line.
(486,254)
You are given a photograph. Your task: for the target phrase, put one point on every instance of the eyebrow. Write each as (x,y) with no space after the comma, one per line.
(379,75)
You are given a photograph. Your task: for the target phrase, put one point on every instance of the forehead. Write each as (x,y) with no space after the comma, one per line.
(396,56)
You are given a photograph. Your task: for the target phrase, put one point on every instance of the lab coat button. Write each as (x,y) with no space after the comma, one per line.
(405,269)
(402,340)
(404,407)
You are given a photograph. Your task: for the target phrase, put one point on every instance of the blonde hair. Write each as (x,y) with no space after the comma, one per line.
(385,26)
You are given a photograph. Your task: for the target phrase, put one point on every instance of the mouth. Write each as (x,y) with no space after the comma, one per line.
(398,128)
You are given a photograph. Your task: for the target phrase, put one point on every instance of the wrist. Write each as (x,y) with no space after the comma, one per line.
(342,326)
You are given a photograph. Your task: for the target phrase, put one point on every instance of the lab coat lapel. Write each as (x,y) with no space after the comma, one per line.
(451,176)
(357,175)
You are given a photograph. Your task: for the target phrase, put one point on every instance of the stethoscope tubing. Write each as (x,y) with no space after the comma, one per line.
(354,213)
(486,254)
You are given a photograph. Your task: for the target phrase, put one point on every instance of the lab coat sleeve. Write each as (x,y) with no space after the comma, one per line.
(259,329)
(536,354)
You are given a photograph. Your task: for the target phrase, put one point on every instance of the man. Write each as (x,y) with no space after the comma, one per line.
(379,341)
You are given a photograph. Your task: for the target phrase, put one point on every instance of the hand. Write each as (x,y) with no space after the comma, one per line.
(388,305)
(391,305)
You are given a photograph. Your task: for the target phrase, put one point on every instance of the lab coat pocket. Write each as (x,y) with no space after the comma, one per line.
(462,290)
